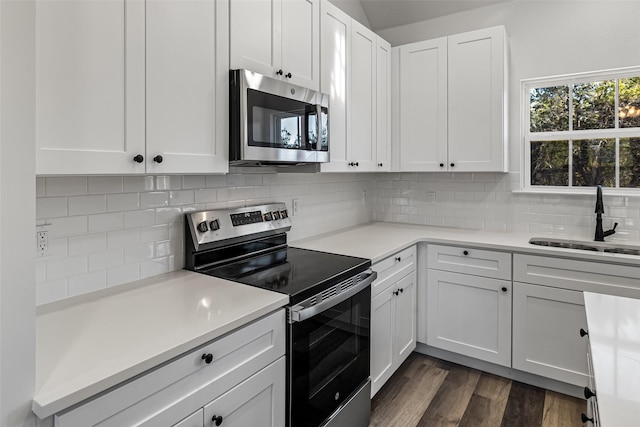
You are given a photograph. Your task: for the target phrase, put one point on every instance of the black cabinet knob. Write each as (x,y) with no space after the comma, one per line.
(588,393)
(585,418)
(380,164)
(158,159)
(357,164)
(398,259)
(441,165)
(395,292)
(583,332)
(208,358)
(288,75)
(279,72)
(465,252)
(504,289)
(138,158)
(401,290)
(452,164)
(217,419)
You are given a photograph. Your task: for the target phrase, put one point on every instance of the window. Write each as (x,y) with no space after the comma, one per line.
(582,130)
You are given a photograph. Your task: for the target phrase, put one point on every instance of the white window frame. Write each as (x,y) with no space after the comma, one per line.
(527,136)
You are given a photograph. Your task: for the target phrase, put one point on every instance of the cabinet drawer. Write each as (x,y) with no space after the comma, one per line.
(496,265)
(393,268)
(164,395)
(578,275)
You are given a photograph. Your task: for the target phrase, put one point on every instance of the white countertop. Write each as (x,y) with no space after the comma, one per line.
(614,339)
(378,240)
(88,344)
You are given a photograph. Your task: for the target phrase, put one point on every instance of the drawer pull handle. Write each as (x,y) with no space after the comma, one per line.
(207,357)
(217,419)
(585,418)
(504,289)
(588,393)
(583,332)
(398,259)
(465,253)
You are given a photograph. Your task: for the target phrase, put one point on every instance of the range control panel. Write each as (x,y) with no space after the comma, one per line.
(216,225)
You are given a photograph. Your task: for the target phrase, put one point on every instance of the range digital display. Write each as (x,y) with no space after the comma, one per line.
(246,218)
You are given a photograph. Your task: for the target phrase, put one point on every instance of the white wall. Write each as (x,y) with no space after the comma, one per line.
(354,9)
(17,207)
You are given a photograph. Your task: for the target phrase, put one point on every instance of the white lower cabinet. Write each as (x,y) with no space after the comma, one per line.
(393,320)
(238,376)
(546,339)
(259,401)
(469,315)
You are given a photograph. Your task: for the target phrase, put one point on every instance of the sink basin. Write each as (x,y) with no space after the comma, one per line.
(587,246)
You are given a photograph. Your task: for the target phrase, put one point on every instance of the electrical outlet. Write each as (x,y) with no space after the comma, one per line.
(431,198)
(42,242)
(294,207)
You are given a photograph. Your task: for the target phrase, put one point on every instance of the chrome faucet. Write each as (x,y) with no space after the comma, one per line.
(600,235)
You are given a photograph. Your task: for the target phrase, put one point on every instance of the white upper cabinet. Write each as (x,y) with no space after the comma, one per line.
(477,101)
(187,86)
(334,80)
(356,73)
(362,131)
(423,105)
(277,38)
(131,87)
(453,102)
(90,87)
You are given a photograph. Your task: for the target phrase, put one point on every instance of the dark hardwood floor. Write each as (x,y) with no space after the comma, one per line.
(431,392)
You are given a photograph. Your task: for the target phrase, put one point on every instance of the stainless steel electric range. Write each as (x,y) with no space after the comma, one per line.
(328,318)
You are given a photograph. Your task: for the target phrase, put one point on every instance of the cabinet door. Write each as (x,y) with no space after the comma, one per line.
(405,318)
(362,110)
(423,106)
(89,87)
(382,330)
(477,100)
(335,55)
(300,35)
(546,341)
(383,105)
(194,420)
(255,35)
(187,86)
(258,401)
(469,315)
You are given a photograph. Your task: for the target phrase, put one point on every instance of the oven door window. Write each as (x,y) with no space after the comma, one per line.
(277,122)
(330,358)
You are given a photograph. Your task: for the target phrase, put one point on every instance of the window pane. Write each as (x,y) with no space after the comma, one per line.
(629,110)
(630,162)
(549,108)
(550,163)
(594,105)
(594,162)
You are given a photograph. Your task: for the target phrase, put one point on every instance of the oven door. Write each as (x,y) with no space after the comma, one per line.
(329,359)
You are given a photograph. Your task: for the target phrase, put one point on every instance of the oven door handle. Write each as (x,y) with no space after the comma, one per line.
(298,313)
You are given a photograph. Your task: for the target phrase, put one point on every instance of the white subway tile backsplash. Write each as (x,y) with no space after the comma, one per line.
(154,267)
(106,259)
(86,283)
(139,218)
(206,195)
(67,226)
(123,202)
(154,233)
(51,207)
(85,205)
(184,197)
(216,181)
(87,244)
(66,267)
(106,222)
(192,182)
(105,184)
(138,253)
(172,182)
(168,215)
(54,290)
(136,184)
(123,274)
(123,238)
(154,199)
(66,186)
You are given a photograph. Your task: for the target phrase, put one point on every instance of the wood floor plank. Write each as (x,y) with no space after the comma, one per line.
(404,405)
(561,410)
(489,400)
(450,402)
(524,407)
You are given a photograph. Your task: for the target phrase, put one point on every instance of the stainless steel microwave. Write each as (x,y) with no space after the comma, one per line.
(273,122)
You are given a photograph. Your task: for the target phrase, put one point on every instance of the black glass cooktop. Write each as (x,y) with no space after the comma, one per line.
(300,273)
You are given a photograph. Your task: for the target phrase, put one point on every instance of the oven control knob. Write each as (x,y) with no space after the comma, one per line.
(337,396)
(202,227)
(284,214)
(214,225)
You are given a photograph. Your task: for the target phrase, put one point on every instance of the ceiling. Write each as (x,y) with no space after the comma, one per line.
(392,13)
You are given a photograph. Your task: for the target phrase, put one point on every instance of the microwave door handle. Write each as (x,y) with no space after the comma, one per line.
(319,127)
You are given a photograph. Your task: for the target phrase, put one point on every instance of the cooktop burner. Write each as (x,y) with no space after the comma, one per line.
(299,273)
